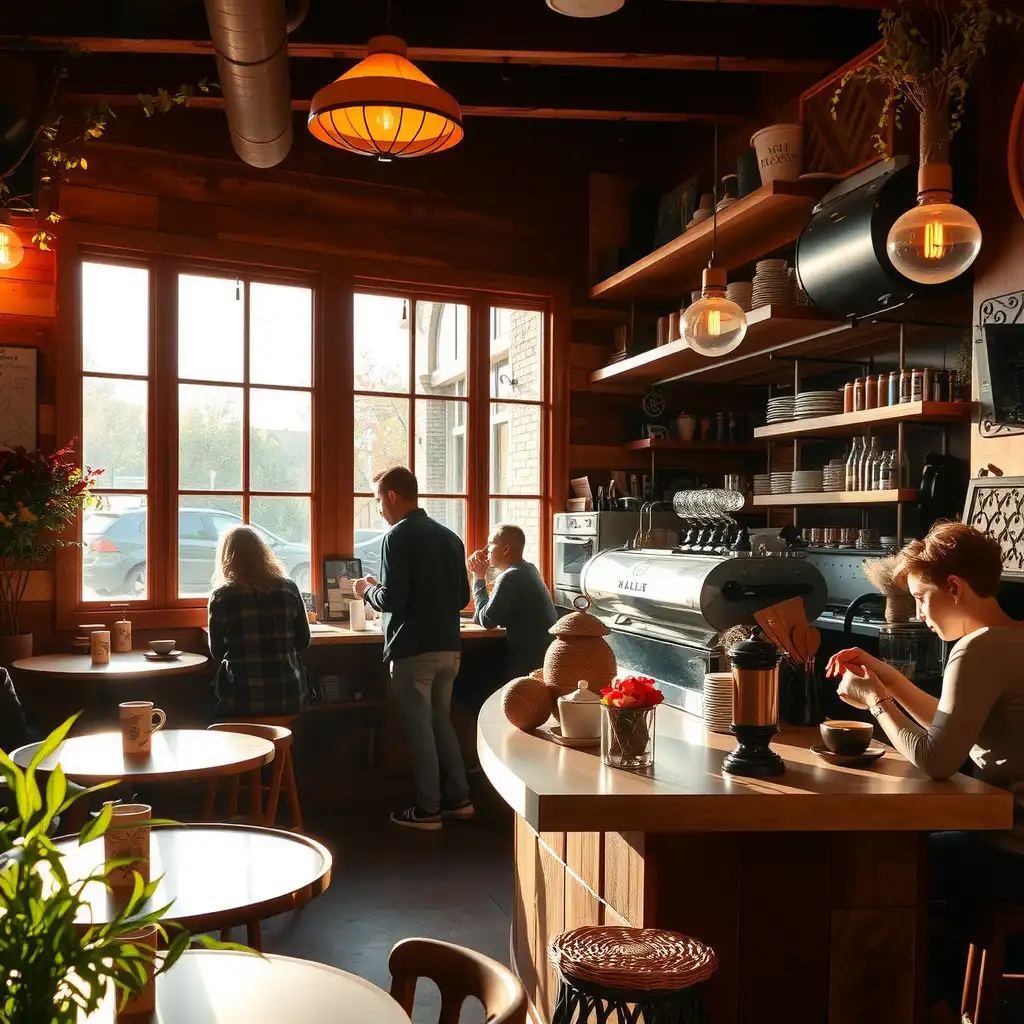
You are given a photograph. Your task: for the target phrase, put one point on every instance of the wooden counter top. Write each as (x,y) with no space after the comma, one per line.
(324,634)
(555,788)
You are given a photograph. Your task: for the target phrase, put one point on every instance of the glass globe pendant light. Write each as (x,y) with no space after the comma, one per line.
(935,241)
(12,252)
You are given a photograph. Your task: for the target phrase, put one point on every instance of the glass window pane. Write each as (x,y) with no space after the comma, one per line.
(517,354)
(211,327)
(280,334)
(114,552)
(440,455)
(114,431)
(450,511)
(515,449)
(209,437)
(381,437)
(381,336)
(284,525)
(279,440)
(524,513)
(115,319)
(442,338)
(202,518)
(368,535)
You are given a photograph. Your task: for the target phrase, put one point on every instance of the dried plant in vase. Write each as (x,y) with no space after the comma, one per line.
(881,573)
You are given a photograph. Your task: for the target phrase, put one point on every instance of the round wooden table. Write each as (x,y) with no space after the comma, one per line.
(132,665)
(177,755)
(220,987)
(218,876)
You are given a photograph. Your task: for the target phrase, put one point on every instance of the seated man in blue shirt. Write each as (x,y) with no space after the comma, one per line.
(519,601)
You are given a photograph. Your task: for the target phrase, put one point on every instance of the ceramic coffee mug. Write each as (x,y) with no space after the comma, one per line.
(846,737)
(125,837)
(121,640)
(139,720)
(99,646)
(143,1004)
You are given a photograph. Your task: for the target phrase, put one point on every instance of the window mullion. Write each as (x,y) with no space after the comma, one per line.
(161,516)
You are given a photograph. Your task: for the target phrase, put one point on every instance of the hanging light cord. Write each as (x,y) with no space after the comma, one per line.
(714,183)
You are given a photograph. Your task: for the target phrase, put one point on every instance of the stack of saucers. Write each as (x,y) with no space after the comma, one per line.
(810,404)
(887,542)
(781,483)
(740,292)
(833,476)
(762,483)
(771,284)
(868,540)
(780,409)
(807,481)
(718,701)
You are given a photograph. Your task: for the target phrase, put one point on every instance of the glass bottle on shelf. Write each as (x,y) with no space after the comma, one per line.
(880,472)
(871,463)
(852,462)
(869,447)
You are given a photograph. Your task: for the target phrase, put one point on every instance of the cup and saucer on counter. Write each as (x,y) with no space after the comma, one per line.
(848,743)
(579,716)
(162,650)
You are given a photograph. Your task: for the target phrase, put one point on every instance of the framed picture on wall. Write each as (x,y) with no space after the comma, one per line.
(18,396)
(339,575)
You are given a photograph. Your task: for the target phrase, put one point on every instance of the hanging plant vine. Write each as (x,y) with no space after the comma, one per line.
(928,54)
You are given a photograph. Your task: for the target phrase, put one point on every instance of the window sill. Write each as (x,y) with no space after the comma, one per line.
(141,618)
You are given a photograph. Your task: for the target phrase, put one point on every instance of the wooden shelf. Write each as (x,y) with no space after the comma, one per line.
(852,498)
(758,224)
(767,327)
(848,423)
(659,445)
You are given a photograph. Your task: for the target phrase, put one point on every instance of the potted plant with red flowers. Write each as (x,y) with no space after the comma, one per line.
(40,495)
(627,726)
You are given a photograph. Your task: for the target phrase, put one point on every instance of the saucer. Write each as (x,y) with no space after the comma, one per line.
(873,753)
(580,743)
(153,656)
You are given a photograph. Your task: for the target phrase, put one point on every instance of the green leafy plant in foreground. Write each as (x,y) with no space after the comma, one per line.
(53,968)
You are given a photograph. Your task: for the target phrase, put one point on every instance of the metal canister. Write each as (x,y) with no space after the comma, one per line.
(894,388)
(927,383)
(940,386)
(883,390)
(917,386)
(848,396)
(906,383)
(755,675)
(858,394)
(870,392)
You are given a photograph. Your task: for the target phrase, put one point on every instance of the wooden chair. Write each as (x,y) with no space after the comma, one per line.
(459,973)
(282,771)
(985,983)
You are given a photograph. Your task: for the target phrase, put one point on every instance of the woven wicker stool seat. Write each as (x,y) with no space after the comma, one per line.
(628,975)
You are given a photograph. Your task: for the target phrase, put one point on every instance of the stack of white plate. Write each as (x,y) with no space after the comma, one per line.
(762,483)
(780,409)
(740,292)
(809,404)
(833,476)
(772,284)
(868,540)
(807,481)
(781,483)
(887,542)
(718,701)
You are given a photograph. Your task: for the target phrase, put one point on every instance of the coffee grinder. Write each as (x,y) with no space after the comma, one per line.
(755,708)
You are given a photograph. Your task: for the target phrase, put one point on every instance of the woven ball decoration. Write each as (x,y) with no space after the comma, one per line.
(632,959)
(570,659)
(527,703)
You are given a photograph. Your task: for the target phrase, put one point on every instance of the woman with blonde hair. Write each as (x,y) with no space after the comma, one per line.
(258,625)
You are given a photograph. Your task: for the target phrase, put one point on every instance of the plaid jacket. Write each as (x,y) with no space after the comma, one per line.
(255,639)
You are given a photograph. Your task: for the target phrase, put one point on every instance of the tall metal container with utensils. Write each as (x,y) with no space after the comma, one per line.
(755,708)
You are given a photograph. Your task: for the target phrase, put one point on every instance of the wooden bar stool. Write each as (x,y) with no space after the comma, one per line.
(282,771)
(985,981)
(630,976)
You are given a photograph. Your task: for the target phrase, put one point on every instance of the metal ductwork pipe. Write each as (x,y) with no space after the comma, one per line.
(250,39)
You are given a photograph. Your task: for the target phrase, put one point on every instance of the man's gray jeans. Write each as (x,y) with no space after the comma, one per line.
(422,688)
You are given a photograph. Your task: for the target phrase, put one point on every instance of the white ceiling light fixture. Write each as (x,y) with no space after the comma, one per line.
(585,8)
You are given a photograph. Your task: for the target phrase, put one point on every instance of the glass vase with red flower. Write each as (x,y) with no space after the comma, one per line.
(627,724)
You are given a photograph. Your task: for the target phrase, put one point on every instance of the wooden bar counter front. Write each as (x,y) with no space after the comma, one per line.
(811,887)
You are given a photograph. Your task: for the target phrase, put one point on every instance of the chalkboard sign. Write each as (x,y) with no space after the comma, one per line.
(1001,374)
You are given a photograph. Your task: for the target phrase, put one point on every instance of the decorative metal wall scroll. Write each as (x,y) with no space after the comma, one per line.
(1000,366)
(995,505)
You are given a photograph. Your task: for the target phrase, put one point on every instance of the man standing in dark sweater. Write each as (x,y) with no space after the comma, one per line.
(422,589)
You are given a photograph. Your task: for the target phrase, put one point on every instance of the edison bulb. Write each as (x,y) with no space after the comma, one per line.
(713,325)
(935,241)
(12,252)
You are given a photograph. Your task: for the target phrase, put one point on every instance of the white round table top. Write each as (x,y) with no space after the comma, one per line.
(131,665)
(217,876)
(222,987)
(176,755)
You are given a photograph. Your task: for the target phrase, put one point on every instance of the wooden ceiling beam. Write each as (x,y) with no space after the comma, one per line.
(442,55)
(470,110)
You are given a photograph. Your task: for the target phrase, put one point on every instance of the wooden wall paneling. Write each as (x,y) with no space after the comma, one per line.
(584,857)
(551,921)
(582,907)
(526,916)
(624,867)
(29,289)
(102,205)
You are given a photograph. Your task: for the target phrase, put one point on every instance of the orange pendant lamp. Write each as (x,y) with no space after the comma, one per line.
(386,107)
(12,252)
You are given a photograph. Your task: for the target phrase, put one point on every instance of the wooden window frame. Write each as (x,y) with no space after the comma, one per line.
(336,281)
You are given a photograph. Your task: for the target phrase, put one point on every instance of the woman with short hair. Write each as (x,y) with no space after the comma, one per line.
(258,626)
(953,576)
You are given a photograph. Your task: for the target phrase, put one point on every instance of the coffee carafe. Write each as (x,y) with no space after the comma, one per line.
(755,707)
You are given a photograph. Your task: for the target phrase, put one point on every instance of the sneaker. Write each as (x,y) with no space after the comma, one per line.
(461,812)
(415,817)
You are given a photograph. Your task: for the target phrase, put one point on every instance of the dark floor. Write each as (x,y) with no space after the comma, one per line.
(389,883)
